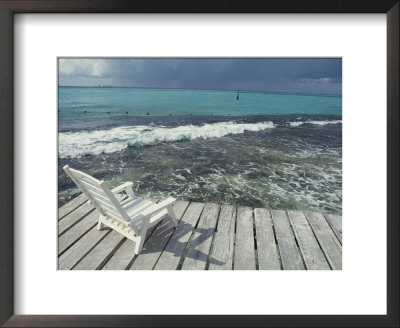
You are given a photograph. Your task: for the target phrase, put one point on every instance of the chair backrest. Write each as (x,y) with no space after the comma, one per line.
(99,194)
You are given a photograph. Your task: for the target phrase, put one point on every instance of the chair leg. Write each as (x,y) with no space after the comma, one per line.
(172,216)
(139,245)
(100,225)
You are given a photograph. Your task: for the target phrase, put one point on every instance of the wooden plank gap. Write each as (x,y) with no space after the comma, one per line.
(76,240)
(328,241)
(180,264)
(72,205)
(297,242)
(106,259)
(255,242)
(234,240)
(98,242)
(212,240)
(335,222)
(277,246)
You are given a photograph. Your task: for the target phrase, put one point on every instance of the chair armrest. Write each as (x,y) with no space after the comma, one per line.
(148,212)
(123,187)
(157,207)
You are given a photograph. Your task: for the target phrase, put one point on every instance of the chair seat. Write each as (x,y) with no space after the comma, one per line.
(153,220)
(136,205)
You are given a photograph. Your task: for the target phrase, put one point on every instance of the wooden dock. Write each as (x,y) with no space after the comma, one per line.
(209,237)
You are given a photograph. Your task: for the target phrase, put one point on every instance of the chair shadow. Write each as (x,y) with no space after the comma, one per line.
(162,241)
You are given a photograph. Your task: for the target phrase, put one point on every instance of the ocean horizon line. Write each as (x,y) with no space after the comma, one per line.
(203,89)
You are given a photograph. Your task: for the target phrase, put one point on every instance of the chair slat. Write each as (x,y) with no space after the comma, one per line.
(91,187)
(130,203)
(137,209)
(107,207)
(102,196)
(82,175)
(114,216)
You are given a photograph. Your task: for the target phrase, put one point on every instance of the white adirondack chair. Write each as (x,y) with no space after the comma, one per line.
(132,217)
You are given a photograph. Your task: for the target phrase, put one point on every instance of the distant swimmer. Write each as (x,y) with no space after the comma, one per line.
(237,96)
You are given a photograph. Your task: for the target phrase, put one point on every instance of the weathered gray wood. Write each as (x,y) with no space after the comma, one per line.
(122,257)
(289,252)
(147,259)
(245,257)
(268,256)
(72,218)
(101,253)
(175,247)
(335,221)
(313,256)
(77,231)
(221,257)
(327,239)
(83,246)
(80,228)
(71,205)
(197,254)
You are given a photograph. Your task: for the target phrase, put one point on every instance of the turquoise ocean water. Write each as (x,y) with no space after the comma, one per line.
(159,102)
(281,151)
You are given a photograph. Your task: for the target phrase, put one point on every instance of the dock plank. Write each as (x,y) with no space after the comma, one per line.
(199,249)
(80,228)
(335,221)
(77,231)
(71,205)
(223,240)
(101,253)
(75,216)
(327,239)
(313,256)
(176,246)
(83,246)
(244,258)
(147,259)
(268,256)
(289,252)
(122,257)
(221,257)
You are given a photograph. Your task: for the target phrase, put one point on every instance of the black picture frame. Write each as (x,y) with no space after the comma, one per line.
(10,7)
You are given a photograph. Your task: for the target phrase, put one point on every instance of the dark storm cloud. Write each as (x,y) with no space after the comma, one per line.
(273,74)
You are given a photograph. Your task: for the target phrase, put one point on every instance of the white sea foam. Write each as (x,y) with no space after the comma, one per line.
(77,144)
(294,124)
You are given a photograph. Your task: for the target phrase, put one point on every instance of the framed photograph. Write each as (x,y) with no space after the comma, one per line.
(242,157)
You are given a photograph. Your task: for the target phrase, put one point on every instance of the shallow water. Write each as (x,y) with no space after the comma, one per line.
(237,160)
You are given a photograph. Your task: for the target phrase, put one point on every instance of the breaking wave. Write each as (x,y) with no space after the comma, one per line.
(77,144)
(315,122)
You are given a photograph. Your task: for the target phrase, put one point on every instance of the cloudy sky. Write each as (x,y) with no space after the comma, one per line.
(311,75)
